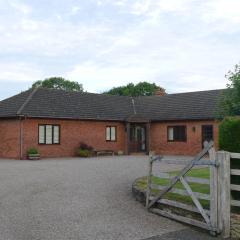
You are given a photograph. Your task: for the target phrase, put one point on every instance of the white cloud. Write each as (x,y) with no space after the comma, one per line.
(195,82)
(227,10)
(225,14)
(95,78)
(19,72)
(153,9)
(179,44)
(75,10)
(50,38)
(21,7)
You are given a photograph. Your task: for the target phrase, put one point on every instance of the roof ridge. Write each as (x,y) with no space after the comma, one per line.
(133,105)
(84,92)
(26,101)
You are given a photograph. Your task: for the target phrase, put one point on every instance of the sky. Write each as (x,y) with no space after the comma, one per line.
(181,45)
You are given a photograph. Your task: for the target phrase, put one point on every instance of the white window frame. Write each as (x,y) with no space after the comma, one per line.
(48,134)
(111,133)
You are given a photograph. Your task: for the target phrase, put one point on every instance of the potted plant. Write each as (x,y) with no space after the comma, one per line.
(85,150)
(33,154)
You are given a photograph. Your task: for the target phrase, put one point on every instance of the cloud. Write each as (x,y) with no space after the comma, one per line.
(19,72)
(49,38)
(21,7)
(179,44)
(222,10)
(75,10)
(97,78)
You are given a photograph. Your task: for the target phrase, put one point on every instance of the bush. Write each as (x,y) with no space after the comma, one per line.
(229,140)
(84,150)
(84,146)
(32,151)
(229,134)
(83,153)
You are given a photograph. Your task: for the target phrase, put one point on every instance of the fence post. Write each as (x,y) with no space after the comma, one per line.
(213,190)
(224,195)
(149,180)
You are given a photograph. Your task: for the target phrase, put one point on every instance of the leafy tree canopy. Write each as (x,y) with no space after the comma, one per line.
(58,83)
(140,89)
(230,102)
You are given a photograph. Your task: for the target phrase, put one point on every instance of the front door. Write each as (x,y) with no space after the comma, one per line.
(207,133)
(137,138)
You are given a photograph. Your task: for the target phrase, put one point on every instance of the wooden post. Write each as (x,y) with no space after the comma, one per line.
(149,180)
(213,191)
(224,195)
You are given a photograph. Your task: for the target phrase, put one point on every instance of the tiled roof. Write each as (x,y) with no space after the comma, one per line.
(181,106)
(52,103)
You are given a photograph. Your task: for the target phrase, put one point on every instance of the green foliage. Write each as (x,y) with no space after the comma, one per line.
(229,134)
(32,151)
(58,83)
(196,187)
(83,153)
(140,89)
(230,101)
(229,140)
(84,150)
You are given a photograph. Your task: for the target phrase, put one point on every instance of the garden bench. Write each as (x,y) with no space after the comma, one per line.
(103,152)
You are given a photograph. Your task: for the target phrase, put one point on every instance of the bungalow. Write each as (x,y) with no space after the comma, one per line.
(56,121)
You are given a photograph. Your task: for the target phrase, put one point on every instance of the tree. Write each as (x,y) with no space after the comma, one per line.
(140,89)
(230,101)
(58,83)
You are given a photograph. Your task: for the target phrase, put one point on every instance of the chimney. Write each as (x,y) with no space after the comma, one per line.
(160,92)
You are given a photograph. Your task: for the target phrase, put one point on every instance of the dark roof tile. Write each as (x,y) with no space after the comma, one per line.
(52,103)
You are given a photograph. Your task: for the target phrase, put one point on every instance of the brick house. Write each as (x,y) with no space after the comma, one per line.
(56,121)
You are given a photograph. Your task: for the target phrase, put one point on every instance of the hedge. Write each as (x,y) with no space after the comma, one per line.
(229,134)
(229,140)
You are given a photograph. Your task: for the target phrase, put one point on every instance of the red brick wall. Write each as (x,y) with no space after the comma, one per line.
(93,133)
(192,146)
(72,133)
(10,139)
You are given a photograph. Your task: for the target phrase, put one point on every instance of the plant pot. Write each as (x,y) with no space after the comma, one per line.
(34,156)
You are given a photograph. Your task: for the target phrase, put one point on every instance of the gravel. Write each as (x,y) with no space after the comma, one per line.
(76,199)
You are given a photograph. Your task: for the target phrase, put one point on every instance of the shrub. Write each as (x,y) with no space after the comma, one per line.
(84,150)
(83,153)
(84,146)
(229,134)
(32,151)
(229,140)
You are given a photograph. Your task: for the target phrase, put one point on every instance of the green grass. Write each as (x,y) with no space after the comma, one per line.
(196,187)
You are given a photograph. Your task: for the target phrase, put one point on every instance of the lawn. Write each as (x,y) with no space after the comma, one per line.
(196,187)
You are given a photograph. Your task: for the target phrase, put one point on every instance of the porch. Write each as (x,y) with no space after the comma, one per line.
(137,136)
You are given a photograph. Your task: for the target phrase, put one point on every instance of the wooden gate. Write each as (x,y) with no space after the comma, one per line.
(209,219)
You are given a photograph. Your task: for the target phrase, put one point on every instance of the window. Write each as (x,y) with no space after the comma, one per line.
(111,134)
(177,134)
(49,134)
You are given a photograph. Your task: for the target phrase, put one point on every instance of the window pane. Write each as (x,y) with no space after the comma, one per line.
(179,133)
(56,134)
(41,134)
(170,134)
(108,137)
(113,133)
(49,134)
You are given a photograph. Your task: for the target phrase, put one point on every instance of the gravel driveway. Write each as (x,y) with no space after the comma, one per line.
(76,199)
